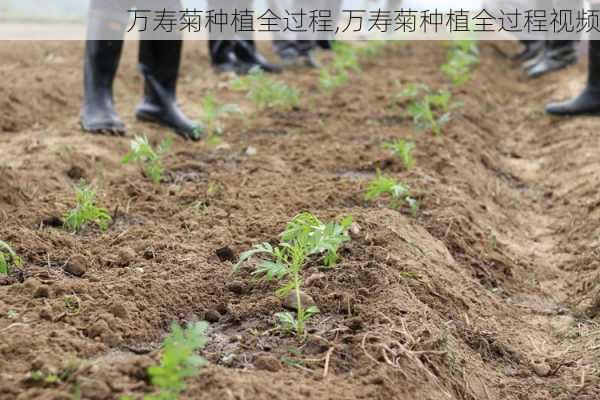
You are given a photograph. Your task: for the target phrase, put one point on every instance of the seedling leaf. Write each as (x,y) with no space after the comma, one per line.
(151,161)
(86,211)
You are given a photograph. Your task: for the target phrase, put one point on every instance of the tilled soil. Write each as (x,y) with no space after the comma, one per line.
(489,292)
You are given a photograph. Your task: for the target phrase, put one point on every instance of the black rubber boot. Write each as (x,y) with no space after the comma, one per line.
(558,54)
(159,64)
(249,58)
(296,52)
(100,67)
(532,48)
(325,44)
(588,102)
(222,56)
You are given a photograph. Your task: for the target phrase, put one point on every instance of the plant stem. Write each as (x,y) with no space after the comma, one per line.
(300,309)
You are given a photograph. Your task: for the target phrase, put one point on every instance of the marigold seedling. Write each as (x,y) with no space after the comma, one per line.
(305,235)
(322,239)
(346,60)
(212,112)
(430,110)
(151,161)
(332,80)
(345,57)
(399,194)
(178,361)
(44,378)
(403,149)
(424,117)
(372,48)
(266,92)
(462,57)
(8,259)
(85,211)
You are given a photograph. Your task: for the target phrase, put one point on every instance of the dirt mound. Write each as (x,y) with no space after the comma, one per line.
(486,293)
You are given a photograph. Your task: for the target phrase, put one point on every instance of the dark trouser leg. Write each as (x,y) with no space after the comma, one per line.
(588,102)
(221,55)
(159,64)
(100,67)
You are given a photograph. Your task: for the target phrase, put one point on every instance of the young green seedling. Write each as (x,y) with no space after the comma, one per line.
(151,161)
(430,110)
(178,361)
(345,57)
(399,194)
(462,57)
(332,80)
(8,259)
(303,237)
(212,112)
(424,117)
(266,92)
(403,149)
(372,48)
(410,92)
(85,211)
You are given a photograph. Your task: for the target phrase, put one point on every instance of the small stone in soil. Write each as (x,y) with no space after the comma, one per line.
(354,230)
(251,151)
(212,316)
(94,389)
(46,313)
(267,363)
(98,328)
(126,256)
(42,291)
(118,310)
(53,221)
(541,368)
(76,266)
(226,254)
(236,287)
(76,173)
(314,279)
(355,324)
(291,302)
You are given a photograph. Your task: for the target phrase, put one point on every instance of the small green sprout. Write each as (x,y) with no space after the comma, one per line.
(178,361)
(212,112)
(346,60)
(424,117)
(399,193)
(372,48)
(462,57)
(86,211)
(345,57)
(441,100)
(150,160)
(8,259)
(332,80)
(430,110)
(403,149)
(44,378)
(304,236)
(266,92)
(322,238)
